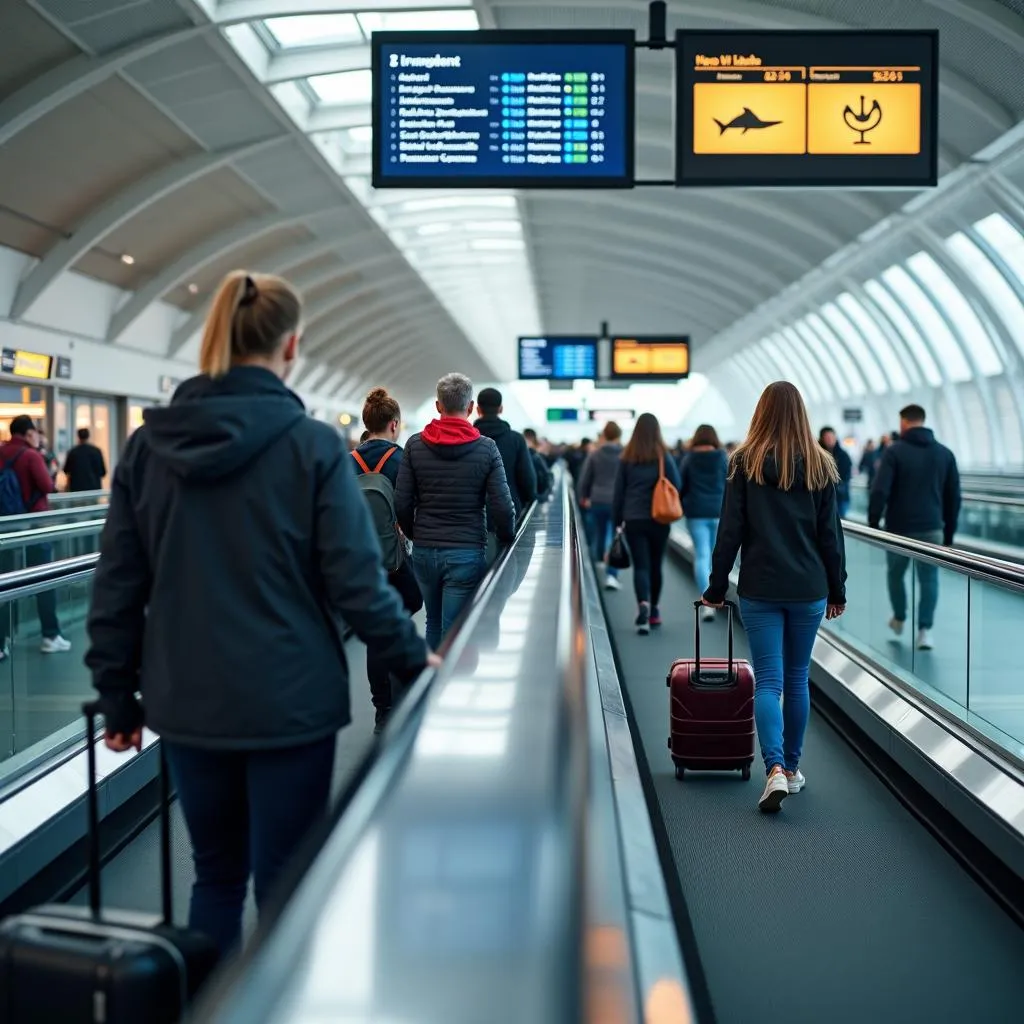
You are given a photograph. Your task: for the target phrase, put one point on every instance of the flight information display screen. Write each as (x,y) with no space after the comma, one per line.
(503,109)
(557,358)
(650,359)
(846,109)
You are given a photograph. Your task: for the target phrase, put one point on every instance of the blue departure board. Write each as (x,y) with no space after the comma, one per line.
(503,109)
(557,358)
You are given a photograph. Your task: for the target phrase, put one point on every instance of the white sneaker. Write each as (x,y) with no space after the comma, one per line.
(55,645)
(796,781)
(924,640)
(896,625)
(612,583)
(707,614)
(776,790)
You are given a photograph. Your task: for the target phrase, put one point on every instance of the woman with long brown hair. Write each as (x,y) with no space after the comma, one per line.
(643,461)
(780,510)
(702,473)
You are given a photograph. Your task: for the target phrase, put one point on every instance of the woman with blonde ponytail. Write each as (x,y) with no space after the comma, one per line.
(236,542)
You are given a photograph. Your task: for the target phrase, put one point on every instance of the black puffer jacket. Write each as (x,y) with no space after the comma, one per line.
(520,472)
(236,541)
(449,475)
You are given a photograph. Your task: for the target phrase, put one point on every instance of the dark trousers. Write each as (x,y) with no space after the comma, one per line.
(408,589)
(647,542)
(927,580)
(46,600)
(247,812)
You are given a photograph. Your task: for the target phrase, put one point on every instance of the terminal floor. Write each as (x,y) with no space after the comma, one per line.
(842,908)
(131,880)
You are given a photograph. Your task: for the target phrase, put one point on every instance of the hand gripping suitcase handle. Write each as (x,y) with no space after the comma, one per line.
(697,605)
(92,712)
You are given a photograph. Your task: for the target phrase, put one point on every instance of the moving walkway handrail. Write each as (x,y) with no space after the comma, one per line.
(36,520)
(981,567)
(48,534)
(26,582)
(67,497)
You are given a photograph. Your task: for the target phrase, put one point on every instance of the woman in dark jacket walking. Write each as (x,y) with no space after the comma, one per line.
(643,460)
(236,542)
(702,472)
(781,510)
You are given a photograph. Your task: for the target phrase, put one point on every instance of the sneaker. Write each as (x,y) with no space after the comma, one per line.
(612,583)
(796,781)
(896,625)
(380,720)
(54,645)
(655,618)
(776,790)
(707,614)
(643,621)
(924,640)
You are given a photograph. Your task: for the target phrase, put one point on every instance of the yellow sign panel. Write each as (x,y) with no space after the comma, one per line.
(749,117)
(32,364)
(863,118)
(638,359)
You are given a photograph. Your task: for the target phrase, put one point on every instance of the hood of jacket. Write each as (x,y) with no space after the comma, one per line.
(772,475)
(920,437)
(450,437)
(493,427)
(215,427)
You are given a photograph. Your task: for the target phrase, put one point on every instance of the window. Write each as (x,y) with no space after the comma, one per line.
(959,311)
(1008,416)
(880,345)
(348,87)
(980,432)
(932,323)
(786,361)
(906,329)
(990,280)
(838,353)
(1006,240)
(857,348)
(789,341)
(314,30)
(801,333)
(418,21)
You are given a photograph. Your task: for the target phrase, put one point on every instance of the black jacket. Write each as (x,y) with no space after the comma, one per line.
(85,468)
(597,481)
(791,541)
(520,472)
(236,541)
(634,489)
(916,486)
(449,474)
(702,488)
(845,466)
(544,476)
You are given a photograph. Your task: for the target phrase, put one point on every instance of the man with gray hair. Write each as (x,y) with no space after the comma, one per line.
(451,479)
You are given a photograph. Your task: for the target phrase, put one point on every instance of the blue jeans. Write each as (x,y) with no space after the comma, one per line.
(927,581)
(601,528)
(704,533)
(781,636)
(448,578)
(247,812)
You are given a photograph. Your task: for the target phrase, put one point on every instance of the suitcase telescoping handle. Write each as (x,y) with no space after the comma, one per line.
(92,712)
(697,605)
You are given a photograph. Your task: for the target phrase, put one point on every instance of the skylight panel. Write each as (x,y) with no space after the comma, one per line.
(314,30)
(456,202)
(343,87)
(418,21)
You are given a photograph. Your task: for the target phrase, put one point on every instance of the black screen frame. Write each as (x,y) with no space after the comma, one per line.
(684,135)
(651,339)
(575,339)
(511,37)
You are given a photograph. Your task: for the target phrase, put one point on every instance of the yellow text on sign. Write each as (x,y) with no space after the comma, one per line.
(894,127)
(717,105)
(634,357)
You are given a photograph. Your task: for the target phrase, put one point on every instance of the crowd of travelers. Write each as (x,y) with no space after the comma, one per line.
(243,539)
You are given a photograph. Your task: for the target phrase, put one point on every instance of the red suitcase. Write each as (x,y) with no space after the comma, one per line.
(711,710)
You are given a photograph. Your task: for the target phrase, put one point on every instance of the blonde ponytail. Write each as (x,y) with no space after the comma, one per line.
(251,315)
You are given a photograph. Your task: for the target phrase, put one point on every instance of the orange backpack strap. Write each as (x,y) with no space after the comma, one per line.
(362,463)
(384,458)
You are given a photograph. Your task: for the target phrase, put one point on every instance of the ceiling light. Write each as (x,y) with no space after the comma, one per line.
(193,289)
(126,259)
(344,419)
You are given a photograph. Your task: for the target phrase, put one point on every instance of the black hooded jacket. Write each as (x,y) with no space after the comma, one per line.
(792,541)
(520,472)
(236,542)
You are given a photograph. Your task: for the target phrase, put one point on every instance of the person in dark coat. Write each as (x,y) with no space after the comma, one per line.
(596,493)
(545,479)
(829,440)
(702,489)
(450,485)
(84,465)
(236,547)
(520,473)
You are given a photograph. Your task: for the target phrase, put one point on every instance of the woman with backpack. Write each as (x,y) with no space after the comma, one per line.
(645,466)
(380,453)
(781,510)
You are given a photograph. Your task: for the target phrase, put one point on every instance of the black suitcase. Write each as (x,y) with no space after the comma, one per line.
(67,965)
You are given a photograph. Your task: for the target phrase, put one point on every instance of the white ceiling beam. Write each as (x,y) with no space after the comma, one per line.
(232,12)
(117,211)
(289,66)
(354,311)
(48,91)
(336,117)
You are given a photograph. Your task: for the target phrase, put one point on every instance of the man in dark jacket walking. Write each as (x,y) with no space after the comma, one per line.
(451,482)
(597,492)
(84,466)
(519,469)
(917,487)
(830,442)
(540,464)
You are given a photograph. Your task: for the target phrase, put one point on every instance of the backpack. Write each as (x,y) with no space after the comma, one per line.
(12,503)
(665,504)
(380,496)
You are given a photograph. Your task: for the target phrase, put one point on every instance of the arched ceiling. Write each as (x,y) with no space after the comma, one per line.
(155,144)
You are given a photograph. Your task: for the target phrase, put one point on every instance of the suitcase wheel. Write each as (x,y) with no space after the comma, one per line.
(746,773)
(680,772)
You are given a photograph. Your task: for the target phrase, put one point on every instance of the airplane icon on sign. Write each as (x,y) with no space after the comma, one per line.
(747,120)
